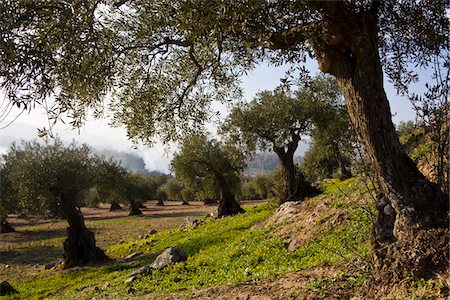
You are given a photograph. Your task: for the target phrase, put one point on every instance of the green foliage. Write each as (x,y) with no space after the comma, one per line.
(166,61)
(206,166)
(333,138)
(279,118)
(174,190)
(50,178)
(140,187)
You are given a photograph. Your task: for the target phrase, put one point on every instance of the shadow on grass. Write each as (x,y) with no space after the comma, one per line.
(150,216)
(21,236)
(31,256)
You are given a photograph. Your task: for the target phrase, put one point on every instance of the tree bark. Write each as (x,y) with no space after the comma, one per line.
(134,208)
(412,211)
(79,246)
(5,227)
(295,185)
(115,206)
(228,205)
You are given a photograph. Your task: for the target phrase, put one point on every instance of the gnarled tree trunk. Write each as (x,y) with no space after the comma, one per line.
(79,246)
(228,205)
(5,227)
(135,208)
(411,230)
(295,185)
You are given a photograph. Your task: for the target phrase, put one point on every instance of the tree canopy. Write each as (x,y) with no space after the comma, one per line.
(278,121)
(204,165)
(48,179)
(164,61)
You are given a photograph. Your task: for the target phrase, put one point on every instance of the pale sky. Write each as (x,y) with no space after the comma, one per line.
(99,134)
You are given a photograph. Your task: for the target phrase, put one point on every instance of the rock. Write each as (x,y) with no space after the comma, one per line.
(131,279)
(196,223)
(50,265)
(212,214)
(153,231)
(286,211)
(6,289)
(143,270)
(170,255)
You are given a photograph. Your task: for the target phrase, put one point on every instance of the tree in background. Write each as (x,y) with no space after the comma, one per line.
(333,139)
(425,148)
(166,60)
(8,197)
(263,185)
(433,112)
(205,165)
(137,190)
(277,120)
(48,180)
(174,190)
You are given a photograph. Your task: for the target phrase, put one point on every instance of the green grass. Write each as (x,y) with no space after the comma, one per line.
(226,251)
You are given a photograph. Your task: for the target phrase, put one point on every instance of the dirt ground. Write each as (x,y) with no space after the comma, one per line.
(37,242)
(103,222)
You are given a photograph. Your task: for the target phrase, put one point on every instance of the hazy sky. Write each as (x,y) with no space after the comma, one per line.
(100,135)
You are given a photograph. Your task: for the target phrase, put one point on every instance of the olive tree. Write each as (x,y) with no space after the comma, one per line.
(164,61)
(48,180)
(333,143)
(205,165)
(173,189)
(277,121)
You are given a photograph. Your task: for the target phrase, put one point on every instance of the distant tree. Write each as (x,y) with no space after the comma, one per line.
(263,185)
(277,120)
(8,197)
(205,165)
(48,179)
(162,196)
(135,191)
(248,191)
(333,142)
(173,189)
(433,112)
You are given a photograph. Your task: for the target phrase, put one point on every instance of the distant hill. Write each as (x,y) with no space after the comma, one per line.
(265,162)
(130,161)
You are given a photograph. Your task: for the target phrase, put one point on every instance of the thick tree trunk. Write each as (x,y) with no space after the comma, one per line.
(295,185)
(5,227)
(345,172)
(115,206)
(228,205)
(411,230)
(134,208)
(79,246)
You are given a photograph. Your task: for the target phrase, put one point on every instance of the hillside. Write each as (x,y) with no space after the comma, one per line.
(317,249)
(265,162)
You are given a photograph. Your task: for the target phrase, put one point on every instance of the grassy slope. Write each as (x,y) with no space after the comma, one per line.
(228,252)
